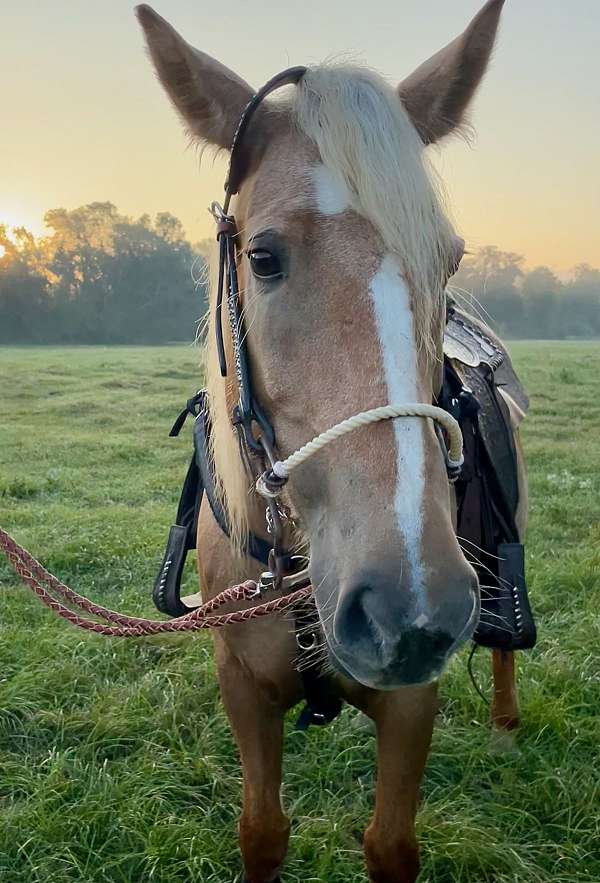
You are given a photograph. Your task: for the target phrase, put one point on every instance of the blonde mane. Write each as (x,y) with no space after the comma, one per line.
(365,137)
(232,483)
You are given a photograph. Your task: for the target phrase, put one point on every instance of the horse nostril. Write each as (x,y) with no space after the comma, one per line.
(351,624)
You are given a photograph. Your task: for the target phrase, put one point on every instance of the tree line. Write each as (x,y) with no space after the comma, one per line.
(100,277)
(529,304)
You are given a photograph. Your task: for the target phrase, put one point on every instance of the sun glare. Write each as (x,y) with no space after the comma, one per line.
(14,219)
(11,220)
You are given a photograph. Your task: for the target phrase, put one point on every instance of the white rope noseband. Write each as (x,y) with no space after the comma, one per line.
(454,459)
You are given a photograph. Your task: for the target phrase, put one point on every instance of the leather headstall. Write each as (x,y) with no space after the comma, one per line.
(255,433)
(247,413)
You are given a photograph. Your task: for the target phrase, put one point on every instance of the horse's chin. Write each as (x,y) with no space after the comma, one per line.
(390,678)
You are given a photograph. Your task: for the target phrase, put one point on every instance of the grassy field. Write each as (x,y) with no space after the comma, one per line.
(116,763)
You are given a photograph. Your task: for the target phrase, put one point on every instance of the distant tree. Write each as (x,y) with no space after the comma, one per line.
(491,279)
(541,292)
(205,247)
(580,306)
(24,302)
(534,304)
(169,228)
(100,277)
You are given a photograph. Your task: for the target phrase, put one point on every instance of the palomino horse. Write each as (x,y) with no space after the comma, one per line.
(344,252)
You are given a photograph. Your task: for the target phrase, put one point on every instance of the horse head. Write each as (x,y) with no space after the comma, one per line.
(344,250)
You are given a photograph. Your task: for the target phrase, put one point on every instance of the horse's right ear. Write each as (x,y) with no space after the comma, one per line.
(208,96)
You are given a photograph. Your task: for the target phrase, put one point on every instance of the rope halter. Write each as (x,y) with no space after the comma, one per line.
(271,483)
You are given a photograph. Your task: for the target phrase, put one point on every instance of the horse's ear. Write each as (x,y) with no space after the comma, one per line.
(437,94)
(208,96)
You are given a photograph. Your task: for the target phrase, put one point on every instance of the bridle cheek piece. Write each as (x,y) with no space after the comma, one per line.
(255,432)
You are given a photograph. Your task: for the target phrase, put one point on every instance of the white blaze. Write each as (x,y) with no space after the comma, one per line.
(333,196)
(391,306)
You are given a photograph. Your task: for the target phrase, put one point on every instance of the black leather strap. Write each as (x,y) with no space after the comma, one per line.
(193,406)
(322,704)
(256,547)
(199,480)
(182,537)
(511,571)
(237,168)
(487,499)
(167,587)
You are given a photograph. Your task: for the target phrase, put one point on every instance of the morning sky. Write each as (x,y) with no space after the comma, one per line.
(83,118)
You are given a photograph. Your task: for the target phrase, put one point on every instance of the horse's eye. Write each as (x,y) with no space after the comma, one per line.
(265,265)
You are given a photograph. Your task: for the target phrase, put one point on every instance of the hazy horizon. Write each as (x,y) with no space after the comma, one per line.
(85,120)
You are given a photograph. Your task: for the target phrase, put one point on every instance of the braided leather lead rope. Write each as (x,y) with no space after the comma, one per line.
(33,575)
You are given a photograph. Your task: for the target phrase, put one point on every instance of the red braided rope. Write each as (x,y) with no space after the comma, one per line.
(34,575)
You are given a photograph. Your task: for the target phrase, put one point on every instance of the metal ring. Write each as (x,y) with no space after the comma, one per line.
(310,643)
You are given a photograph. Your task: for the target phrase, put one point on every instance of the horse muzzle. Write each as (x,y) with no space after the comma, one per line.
(386,639)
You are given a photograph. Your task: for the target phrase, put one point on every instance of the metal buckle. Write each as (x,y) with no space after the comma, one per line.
(217,211)
(290,582)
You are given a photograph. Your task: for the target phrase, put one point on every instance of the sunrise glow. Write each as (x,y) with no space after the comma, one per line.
(104,132)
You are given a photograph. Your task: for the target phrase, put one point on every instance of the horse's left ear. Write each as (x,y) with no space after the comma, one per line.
(438,93)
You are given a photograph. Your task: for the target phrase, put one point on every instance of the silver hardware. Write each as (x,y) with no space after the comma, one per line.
(289,583)
(283,516)
(217,211)
(307,640)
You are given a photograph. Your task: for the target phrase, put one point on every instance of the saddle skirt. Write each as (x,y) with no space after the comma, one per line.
(490,405)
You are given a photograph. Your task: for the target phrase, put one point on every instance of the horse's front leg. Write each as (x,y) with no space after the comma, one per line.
(257,684)
(404,722)
(257,725)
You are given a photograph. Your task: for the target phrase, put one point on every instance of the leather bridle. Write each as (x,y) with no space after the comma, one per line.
(255,432)
(248,411)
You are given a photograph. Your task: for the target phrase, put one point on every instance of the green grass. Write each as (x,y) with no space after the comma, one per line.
(116,763)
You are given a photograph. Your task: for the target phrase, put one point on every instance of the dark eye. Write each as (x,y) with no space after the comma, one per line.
(265,265)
